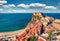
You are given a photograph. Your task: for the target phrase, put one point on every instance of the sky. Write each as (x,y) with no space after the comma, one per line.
(29,6)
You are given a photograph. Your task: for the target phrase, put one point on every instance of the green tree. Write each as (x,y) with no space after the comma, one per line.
(50,34)
(31,38)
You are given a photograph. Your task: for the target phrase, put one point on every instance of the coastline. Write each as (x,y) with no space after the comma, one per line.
(34,28)
(14,33)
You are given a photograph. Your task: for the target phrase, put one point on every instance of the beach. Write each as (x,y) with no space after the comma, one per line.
(41,26)
(12,33)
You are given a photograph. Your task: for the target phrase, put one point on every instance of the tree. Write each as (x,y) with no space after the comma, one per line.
(31,38)
(50,34)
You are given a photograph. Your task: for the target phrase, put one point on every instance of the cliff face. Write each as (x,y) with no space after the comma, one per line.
(56,24)
(40,26)
(37,16)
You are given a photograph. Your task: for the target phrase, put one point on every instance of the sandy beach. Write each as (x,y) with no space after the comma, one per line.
(13,33)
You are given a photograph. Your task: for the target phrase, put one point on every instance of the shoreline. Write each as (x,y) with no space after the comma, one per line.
(18,32)
(34,28)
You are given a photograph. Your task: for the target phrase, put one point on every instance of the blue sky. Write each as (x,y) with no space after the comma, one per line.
(48,2)
(29,6)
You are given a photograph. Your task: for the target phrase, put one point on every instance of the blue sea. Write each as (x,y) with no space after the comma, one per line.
(16,21)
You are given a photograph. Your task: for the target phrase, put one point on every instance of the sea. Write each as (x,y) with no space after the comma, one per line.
(17,21)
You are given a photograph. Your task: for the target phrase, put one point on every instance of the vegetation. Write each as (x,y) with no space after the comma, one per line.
(50,34)
(32,21)
(31,38)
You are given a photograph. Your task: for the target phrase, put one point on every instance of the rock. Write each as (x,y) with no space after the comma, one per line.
(37,16)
